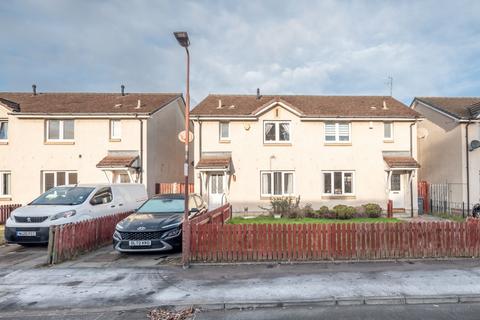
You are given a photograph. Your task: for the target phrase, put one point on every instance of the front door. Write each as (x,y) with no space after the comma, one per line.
(397,194)
(216,190)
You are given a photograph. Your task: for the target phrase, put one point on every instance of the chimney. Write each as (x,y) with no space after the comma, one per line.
(385,105)
(258,94)
(34,87)
(219,104)
(139,104)
(122,87)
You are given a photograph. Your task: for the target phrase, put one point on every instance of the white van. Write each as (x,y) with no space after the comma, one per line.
(71,203)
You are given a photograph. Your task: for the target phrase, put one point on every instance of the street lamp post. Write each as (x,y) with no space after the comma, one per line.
(182,38)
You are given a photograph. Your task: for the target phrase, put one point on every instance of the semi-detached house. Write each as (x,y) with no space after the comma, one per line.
(326,149)
(51,139)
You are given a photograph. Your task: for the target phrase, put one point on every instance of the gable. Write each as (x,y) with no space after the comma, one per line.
(275,106)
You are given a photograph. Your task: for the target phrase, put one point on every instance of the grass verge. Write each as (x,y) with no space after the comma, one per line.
(267,220)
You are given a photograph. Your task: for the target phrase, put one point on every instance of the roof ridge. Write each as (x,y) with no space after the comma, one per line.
(96,93)
(298,95)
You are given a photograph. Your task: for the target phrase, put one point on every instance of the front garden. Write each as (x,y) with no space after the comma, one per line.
(288,210)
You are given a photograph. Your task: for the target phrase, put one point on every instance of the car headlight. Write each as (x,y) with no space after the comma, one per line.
(119,226)
(172,233)
(65,214)
(117,235)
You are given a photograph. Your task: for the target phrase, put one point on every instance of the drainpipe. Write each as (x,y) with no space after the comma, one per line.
(467,158)
(141,149)
(411,180)
(200,151)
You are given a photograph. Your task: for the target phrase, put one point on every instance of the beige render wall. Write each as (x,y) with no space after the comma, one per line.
(165,152)
(440,147)
(307,156)
(27,155)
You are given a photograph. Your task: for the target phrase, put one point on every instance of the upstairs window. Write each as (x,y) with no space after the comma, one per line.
(60,130)
(224,131)
(276,132)
(5,182)
(337,132)
(388,131)
(115,130)
(3,130)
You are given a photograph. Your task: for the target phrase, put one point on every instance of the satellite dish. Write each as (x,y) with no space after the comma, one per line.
(474,144)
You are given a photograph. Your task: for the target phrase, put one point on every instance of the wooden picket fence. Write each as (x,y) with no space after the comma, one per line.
(217,216)
(6,210)
(164,188)
(349,241)
(68,241)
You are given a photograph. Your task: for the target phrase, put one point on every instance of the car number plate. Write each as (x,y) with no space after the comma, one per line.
(139,243)
(26,233)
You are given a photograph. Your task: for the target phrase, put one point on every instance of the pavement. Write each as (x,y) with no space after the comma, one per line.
(86,285)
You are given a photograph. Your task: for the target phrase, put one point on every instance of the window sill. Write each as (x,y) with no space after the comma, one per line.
(337,143)
(115,140)
(5,198)
(59,142)
(339,197)
(3,142)
(388,141)
(277,144)
(224,141)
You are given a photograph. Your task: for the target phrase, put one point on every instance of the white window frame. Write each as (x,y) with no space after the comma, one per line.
(391,131)
(9,194)
(337,132)
(220,137)
(112,132)
(61,123)
(332,187)
(277,124)
(5,121)
(55,173)
(272,179)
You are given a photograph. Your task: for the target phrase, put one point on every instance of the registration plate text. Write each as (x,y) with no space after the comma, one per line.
(139,243)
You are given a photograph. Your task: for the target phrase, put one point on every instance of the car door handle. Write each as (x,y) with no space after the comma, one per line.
(112,206)
(120,205)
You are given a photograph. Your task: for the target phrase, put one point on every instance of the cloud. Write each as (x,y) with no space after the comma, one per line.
(301,47)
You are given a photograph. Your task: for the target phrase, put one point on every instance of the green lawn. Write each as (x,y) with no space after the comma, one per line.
(267,220)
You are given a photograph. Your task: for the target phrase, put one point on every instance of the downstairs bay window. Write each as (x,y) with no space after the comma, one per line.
(276,183)
(338,182)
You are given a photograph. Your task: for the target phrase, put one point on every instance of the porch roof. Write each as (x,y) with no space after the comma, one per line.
(215,161)
(117,161)
(401,162)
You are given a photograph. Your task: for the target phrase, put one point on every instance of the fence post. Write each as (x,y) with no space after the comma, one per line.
(463,209)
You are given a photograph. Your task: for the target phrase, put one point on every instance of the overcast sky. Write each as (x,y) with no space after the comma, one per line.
(283,47)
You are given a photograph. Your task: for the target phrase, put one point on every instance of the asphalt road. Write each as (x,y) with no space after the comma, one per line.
(425,312)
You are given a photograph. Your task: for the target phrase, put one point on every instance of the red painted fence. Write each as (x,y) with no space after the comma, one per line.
(67,241)
(349,241)
(163,188)
(216,216)
(6,210)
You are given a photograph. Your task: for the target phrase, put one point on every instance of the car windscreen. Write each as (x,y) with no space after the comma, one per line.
(67,196)
(162,206)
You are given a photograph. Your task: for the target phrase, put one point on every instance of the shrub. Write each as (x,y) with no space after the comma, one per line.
(360,212)
(373,210)
(308,211)
(283,206)
(295,213)
(343,211)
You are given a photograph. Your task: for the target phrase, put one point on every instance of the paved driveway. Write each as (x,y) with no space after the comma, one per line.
(19,257)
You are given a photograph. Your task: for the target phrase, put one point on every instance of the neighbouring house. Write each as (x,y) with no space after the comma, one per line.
(52,139)
(447,146)
(326,149)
